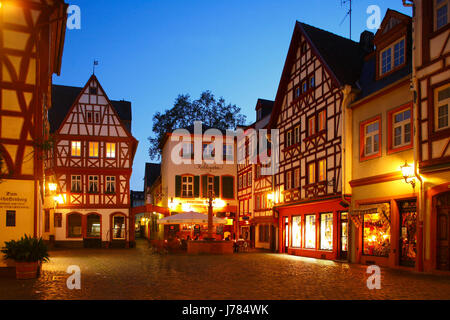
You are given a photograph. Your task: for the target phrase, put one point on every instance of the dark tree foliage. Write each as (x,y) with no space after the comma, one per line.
(210,111)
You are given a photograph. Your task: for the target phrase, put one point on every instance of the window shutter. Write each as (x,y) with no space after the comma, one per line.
(177,186)
(205,186)
(217,186)
(228,187)
(196,186)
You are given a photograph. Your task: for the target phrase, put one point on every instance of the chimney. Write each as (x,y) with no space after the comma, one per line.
(366,41)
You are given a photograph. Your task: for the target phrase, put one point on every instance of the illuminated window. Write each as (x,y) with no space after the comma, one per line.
(296,231)
(312,126)
(310,231)
(322,120)
(76,149)
(322,170)
(110,184)
(93,149)
(376,240)
(187,186)
(118,227)
(76,184)
(93,184)
(93,226)
(441,8)
(312,173)
(110,150)
(442,101)
(401,128)
(326,231)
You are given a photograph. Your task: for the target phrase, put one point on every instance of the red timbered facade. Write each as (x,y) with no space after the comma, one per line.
(308,111)
(32,37)
(91,163)
(431,77)
(257,223)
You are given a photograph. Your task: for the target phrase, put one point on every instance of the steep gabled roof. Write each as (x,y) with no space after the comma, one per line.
(63,98)
(341,57)
(152,172)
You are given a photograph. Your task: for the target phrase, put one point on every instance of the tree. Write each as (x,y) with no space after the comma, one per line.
(212,112)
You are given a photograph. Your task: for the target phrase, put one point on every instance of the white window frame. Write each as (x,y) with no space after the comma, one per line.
(75,146)
(93,181)
(187,181)
(402,125)
(110,150)
(438,104)
(92,148)
(110,184)
(391,56)
(77,180)
(371,135)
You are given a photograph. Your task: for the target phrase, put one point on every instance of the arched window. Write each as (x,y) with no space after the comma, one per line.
(118,227)
(93,227)
(74,225)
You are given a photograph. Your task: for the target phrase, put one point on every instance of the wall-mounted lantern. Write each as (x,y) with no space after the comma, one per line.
(408,174)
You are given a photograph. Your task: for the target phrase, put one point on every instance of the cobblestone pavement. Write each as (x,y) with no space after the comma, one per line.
(139,274)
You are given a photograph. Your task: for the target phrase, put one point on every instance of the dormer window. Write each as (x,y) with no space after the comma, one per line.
(392,57)
(441,13)
(259,114)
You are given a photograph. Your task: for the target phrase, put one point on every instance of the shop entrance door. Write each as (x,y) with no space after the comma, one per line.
(344,236)
(286,235)
(443,231)
(408,235)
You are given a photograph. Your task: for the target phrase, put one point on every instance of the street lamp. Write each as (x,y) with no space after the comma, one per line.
(210,214)
(407,173)
(52,187)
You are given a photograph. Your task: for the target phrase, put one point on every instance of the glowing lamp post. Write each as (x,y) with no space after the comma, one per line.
(407,173)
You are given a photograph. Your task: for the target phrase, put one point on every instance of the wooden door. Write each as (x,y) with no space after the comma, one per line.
(443,231)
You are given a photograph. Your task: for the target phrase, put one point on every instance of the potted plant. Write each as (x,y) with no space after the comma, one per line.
(28,253)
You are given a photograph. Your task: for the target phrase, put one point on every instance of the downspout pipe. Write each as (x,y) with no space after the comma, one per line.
(416,106)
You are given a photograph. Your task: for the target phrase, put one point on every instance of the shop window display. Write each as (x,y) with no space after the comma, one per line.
(377,234)
(326,231)
(296,231)
(310,232)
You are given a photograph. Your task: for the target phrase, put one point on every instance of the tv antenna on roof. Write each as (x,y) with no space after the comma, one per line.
(349,13)
(93,67)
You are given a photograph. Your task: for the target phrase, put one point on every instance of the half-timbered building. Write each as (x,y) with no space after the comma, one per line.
(257,223)
(431,79)
(320,71)
(32,37)
(90,163)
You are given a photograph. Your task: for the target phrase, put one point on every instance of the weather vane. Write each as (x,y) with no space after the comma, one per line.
(93,67)
(349,13)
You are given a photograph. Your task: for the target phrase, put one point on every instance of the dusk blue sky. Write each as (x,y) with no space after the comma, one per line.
(150,51)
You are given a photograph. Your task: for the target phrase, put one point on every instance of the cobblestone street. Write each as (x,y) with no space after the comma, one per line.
(139,274)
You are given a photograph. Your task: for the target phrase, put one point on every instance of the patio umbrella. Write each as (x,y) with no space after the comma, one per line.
(190,217)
